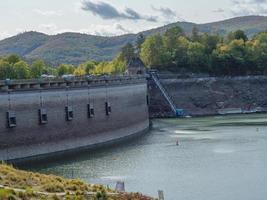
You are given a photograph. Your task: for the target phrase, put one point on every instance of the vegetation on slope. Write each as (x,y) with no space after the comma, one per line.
(233,55)
(75,48)
(22,185)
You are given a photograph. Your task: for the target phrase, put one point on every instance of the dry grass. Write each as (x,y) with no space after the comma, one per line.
(34,183)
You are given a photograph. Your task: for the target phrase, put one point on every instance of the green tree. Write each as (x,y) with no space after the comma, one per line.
(88,66)
(118,65)
(22,70)
(210,42)
(171,36)
(237,35)
(195,37)
(260,49)
(230,59)
(12,59)
(65,69)
(197,57)
(37,68)
(152,51)
(181,58)
(6,70)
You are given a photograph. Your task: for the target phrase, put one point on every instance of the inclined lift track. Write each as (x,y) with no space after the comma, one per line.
(177,112)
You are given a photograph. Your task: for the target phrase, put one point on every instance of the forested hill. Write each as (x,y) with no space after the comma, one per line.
(75,48)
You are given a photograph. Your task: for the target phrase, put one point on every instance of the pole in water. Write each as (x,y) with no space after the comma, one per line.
(177,142)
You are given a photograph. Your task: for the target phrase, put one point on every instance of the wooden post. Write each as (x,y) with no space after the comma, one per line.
(161,195)
(120,187)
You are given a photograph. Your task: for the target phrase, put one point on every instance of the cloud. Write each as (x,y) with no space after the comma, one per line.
(168,15)
(249,7)
(4,34)
(48,13)
(48,27)
(119,27)
(166,12)
(219,10)
(107,11)
(258,1)
(93,29)
(108,30)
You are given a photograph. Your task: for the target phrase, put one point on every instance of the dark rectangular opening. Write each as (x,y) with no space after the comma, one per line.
(108,108)
(69,113)
(11,119)
(90,111)
(43,116)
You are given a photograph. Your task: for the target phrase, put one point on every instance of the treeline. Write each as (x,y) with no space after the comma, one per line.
(232,55)
(14,67)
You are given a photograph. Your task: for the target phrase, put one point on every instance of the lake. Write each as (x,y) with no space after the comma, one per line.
(218,158)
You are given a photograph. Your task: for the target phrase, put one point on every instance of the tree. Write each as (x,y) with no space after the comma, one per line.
(195,37)
(22,70)
(12,59)
(197,57)
(119,65)
(6,70)
(210,42)
(237,35)
(65,69)
(260,49)
(128,52)
(139,41)
(181,59)
(230,59)
(152,50)
(37,68)
(171,36)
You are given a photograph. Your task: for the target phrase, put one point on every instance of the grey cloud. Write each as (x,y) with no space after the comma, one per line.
(249,7)
(258,1)
(108,11)
(121,28)
(166,12)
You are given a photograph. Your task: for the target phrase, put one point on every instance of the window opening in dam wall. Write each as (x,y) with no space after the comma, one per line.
(11,119)
(108,108)
(43,116)
(90,110)
(69,113)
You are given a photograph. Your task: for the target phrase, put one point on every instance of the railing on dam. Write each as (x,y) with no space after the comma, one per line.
(54,83)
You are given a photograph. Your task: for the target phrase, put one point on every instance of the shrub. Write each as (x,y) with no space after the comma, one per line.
(54,187)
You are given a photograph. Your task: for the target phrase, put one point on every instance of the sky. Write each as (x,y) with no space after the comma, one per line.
(115,17)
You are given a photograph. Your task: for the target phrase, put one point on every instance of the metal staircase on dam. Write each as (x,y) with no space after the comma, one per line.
(177,112)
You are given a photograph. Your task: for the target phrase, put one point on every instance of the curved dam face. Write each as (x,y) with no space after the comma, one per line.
(34,123)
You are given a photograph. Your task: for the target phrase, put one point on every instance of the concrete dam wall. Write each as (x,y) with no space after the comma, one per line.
(88,113)
(209,96)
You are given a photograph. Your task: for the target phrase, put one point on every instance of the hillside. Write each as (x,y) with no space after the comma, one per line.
(75,48)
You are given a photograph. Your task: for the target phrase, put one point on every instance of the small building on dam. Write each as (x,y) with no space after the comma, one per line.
(45,117)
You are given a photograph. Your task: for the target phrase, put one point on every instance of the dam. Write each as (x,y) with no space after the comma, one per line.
(45,117)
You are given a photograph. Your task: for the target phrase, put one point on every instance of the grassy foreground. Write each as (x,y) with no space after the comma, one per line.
(21,185)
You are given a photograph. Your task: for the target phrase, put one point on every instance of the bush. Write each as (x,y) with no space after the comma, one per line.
(54,187)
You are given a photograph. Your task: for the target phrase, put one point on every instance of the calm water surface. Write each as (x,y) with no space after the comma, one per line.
(219,158)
